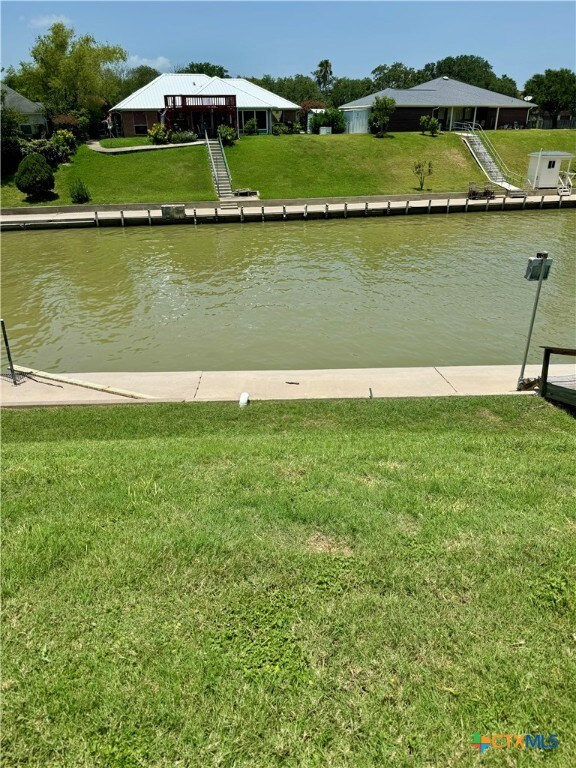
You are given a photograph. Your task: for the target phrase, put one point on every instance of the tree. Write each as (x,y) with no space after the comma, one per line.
(422,169)
(380,115)
(34,177)
(345,89)
(10,136)
(396,75)
(553,92)
(297,88)
(324,75)
(66,73)
(203,68)
(470,69)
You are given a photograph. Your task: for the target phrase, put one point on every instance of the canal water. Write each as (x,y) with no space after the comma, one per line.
(414,291)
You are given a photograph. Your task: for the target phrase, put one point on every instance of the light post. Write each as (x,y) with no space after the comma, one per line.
(538,268)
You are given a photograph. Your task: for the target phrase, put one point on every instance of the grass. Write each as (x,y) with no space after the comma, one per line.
(349,165)
(293,167)
(128,141)
(347,584)
(171,175)
(515,146)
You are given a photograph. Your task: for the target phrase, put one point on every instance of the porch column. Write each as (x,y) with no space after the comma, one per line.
(474,118)
(451,117)
(497,113)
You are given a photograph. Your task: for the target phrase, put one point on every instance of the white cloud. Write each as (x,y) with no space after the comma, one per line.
(161,63)
(43,22)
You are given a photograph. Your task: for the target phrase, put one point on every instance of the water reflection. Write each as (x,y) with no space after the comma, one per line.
(439,290)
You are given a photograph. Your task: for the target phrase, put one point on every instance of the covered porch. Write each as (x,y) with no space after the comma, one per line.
(201,114)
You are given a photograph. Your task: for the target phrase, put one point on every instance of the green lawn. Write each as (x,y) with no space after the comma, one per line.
(347,584)
(294,166)
(170,175)
(348,165)
(515,146)
(128,141)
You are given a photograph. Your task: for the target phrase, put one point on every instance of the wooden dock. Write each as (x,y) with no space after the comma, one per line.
(559,389)
(256,211)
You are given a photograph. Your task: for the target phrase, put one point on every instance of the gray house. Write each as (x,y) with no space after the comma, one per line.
(450,101)
(33,121)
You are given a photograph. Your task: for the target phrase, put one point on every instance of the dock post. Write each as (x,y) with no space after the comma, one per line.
(194,214)
(149,218)
(263,217)
(407,206)
(388,209)
(466,206)
(122,218)
(541,201)
(345,210)
(429,205)
(326,211)
(366,208)
(284,212)
(448,206)
(306,211)
(559,201)
(541,255)
(96,219)
(524,202)
(216,214)
(8,355)
(242,213)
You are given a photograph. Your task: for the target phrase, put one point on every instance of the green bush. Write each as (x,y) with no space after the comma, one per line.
(279,129)
(227,134)
(425,123)
(79,191)
(251,127)
(54,151)
(159,134)
(34,177)
(433,126)
(330,118)
(181,137)
(66,139)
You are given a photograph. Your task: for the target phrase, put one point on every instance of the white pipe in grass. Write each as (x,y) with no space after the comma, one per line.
(244,400)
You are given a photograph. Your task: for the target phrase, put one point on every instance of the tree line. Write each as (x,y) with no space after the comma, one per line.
(82,78)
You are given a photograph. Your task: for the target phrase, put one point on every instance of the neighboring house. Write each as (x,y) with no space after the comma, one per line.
(199,102)
(450,101)
(33,121)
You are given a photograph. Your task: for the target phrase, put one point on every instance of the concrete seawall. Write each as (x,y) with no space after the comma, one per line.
(272,210)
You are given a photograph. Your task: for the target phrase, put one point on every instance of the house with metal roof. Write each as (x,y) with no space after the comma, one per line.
(33,122)
(448,100)
(199,103)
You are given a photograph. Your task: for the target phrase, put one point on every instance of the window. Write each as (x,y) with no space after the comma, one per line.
(551,163)
(140,124)
(261,120)
(26,129)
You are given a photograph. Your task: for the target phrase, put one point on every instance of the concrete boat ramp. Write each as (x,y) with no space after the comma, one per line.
(38,388)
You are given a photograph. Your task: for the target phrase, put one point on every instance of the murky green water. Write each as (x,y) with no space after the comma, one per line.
(437,290)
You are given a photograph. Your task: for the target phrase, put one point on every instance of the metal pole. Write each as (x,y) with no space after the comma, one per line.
(13,374)
(543,255)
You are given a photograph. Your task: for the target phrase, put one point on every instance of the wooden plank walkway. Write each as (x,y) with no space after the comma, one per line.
(257,211)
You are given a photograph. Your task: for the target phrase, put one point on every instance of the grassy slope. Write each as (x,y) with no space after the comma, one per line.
(515,146)
(170,175)
(344,584)
(324,166)
(295,166)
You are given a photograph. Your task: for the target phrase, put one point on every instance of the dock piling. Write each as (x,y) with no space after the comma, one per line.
(122,218)
(96,219)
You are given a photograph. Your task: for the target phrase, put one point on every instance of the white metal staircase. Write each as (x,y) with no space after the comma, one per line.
(220,172)
(488,158)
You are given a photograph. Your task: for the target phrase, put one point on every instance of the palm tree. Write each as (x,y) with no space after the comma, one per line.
(323,75)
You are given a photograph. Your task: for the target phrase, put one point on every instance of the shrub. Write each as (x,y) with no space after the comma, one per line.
(79,191)
(433,126)
(278,129)
(425,123)
(34,177)
(380,114)
(55,150)
(181,137)
(227,134)
(159,134)
(330,118)
(251,127)
(422,169)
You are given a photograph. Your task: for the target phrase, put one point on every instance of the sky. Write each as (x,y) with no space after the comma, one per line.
(518,38)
